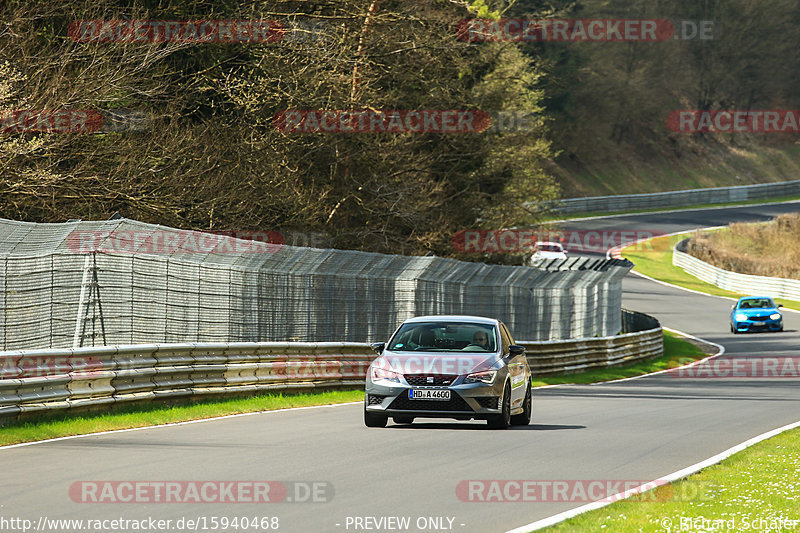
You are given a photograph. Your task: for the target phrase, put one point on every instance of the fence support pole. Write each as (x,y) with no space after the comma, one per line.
(76,340)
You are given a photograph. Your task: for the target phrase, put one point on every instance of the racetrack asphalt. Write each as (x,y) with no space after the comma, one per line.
(636,430)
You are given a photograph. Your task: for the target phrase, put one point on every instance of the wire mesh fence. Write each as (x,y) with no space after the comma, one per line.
(126,282)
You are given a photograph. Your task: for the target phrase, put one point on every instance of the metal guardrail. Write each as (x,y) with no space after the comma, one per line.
(562,357)
(734,281)
(716,195)
(37,381)
(642,338)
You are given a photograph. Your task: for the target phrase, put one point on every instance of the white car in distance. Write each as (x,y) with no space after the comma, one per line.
(547,251)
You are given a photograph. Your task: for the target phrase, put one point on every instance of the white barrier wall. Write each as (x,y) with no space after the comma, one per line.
(734,281)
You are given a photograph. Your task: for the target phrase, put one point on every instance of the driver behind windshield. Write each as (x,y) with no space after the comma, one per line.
(440,337)
(481,338)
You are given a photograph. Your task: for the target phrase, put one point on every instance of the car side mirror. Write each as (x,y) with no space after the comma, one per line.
(516,349)
(780,305)
(378,347)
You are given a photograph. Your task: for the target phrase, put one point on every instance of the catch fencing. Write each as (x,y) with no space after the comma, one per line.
(34,382)
(716,195)
(734,281)
(130,292)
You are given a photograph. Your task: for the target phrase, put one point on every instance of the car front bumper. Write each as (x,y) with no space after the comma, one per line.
(758,325)
(470,401)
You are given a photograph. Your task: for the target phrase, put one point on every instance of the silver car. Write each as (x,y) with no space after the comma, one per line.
(461,367)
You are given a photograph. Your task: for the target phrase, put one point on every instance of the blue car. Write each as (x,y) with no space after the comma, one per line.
(756,313)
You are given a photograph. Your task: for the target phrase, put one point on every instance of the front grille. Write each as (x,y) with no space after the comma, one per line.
(375,399)
(489,402)
(421,380)
(765,317)
(455,403)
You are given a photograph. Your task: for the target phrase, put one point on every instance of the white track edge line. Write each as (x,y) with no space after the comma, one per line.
(171,424)
(720,352)
(680,474)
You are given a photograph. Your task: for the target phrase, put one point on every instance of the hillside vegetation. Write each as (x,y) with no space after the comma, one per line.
(610,101)
(207,154)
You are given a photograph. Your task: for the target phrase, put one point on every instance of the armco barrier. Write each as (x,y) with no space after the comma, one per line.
(734,281)
(101,376)
(132,373)
(642,338)
(716,195)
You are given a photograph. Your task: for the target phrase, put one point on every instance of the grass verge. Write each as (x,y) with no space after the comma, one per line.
(153,414)
(677,352)
(654,259)
(750,491)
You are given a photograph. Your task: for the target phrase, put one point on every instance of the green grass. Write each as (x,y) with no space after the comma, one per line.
(654,259)
(677,352)
(757,483)
(152,414)
(570,216)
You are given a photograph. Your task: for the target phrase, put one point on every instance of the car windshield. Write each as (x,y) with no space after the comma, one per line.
(550,248)
(445,337)
(756,303)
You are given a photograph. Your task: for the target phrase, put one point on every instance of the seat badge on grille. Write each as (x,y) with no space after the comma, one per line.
(429,379)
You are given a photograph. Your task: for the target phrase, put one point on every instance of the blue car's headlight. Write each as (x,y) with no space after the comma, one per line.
(481,377)
(775,316)
(740,317)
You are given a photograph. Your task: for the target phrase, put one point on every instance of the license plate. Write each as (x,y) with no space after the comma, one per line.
(759,323)
(428,394)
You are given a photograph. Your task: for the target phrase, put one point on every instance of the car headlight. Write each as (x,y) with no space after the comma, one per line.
(381,374)
(481,377)
(740,317)
(775,316)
